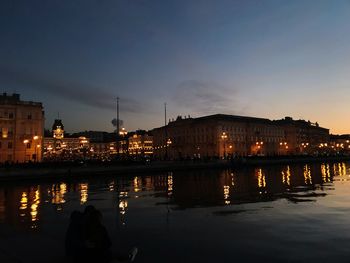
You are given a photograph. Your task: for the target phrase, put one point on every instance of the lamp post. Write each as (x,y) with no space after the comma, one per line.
(259,146)
(35,138)
(122,135)
(224,137)
(284,147)
(25,142)
(36,152)
(168,143)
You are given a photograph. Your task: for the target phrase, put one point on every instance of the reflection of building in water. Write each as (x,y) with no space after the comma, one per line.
(261,178)
(123,205)
(227,194)
(307,174)
(23,204)
(160,182)
(58,192)
(29,206)
(286,176)
(250,185)
(111,186)
(137,184)
(34,208)
(325,171)
(204,188)
(2,205)
(170,183)
(148,183)
(84,188)
(339,169)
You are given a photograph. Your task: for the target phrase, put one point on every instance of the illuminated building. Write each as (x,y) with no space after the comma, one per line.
(123,141)
(226,136)
(140,143)
(340,143)
(60,146)
(303,137)
(217,136)
(58,134)
(21,129)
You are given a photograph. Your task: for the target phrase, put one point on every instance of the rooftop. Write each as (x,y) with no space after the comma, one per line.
(14,99)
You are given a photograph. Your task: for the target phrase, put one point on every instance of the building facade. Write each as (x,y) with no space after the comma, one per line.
(219,136)
(339,144)
(140,143)
(304,137)
(59,147)
(227,136)
(22,129)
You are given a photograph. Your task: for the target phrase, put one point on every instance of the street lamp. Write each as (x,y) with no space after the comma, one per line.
(168,143)
(37,147)
(284,146)
(259,146)
(35,138)
(224,137)
(25,142)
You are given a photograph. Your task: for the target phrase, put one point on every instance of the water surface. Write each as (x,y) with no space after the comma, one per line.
(289,213)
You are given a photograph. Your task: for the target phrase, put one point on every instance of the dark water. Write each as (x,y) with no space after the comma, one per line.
(295,213)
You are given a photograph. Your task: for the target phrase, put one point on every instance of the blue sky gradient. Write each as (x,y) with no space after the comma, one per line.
(258,58)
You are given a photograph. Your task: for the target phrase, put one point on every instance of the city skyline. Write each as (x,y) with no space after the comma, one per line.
(269,60)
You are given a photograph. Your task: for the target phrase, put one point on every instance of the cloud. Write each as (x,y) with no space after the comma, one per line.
(93,96)
(204,97)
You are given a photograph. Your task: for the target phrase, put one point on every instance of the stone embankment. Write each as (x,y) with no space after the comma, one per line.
(61,171)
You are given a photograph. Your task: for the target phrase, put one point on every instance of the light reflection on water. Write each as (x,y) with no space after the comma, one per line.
(162,205)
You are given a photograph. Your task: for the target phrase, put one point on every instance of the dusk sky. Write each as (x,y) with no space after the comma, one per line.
(266,59)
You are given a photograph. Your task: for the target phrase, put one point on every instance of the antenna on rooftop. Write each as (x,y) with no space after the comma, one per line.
(164,113)
(117,112)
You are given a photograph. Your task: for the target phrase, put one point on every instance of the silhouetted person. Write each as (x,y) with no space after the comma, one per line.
(87,239)
(96,239)
(74,242)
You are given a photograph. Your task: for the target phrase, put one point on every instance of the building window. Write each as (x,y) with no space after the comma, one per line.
(0,145)
(28,145)
(10,132)
(9,145)
(11,115)
(29,116)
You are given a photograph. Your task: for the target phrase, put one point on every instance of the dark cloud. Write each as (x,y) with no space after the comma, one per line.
(92,96)
(204,97)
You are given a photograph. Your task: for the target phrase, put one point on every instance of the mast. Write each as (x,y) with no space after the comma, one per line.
(117,112)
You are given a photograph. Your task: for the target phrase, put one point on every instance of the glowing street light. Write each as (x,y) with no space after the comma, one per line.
(35,138)
(25,142)
(224,137)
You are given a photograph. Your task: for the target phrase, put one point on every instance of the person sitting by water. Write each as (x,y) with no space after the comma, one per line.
(74,243)
(87,239)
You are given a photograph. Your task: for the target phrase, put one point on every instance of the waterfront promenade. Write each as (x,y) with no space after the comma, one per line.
(60,170)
